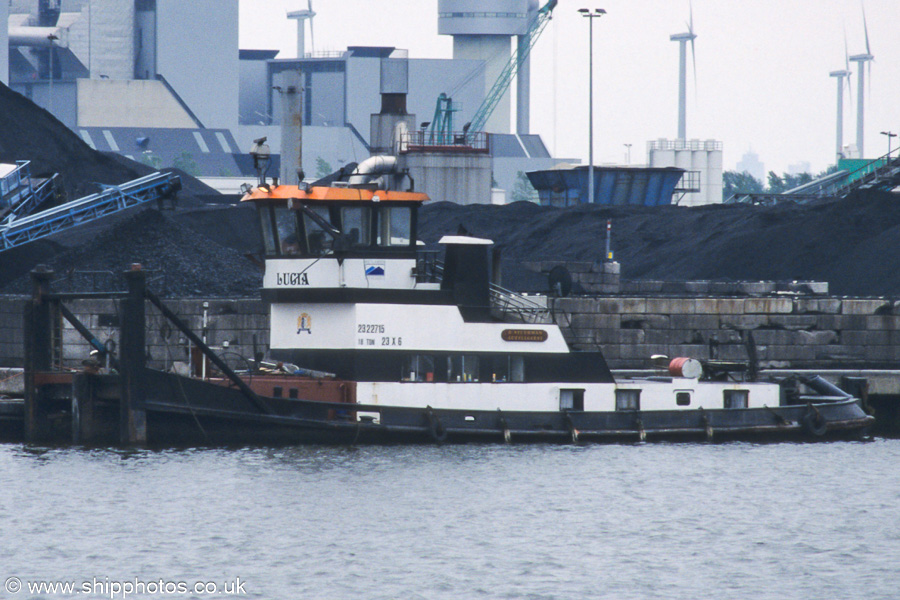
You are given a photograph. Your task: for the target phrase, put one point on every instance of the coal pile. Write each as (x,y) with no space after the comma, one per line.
(28,132)
(180,261)
(852,243)
(199,248)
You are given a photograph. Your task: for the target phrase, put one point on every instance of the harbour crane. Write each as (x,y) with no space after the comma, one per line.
(500,87)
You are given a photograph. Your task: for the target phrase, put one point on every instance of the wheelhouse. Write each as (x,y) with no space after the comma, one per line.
(315,222)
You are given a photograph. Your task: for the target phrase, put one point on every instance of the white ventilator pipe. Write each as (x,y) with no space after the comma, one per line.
(374,165)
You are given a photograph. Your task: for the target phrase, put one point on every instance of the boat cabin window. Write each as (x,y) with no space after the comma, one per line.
(394,226)
(736,398)
(418,367)
(356,223)
(683,398)
(462,368)
(318,242)
(286,227)
(571,399)
(628,399)
(508,368)
(268,231)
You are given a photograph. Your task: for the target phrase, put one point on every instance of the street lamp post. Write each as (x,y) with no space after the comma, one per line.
(596,14)
(889,134)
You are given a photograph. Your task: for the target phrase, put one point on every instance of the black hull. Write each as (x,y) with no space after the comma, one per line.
(216,415)
(182,411)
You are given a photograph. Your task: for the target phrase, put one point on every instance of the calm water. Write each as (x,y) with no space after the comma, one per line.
(644,521)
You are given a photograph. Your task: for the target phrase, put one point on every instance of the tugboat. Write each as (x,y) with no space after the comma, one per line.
(401,346)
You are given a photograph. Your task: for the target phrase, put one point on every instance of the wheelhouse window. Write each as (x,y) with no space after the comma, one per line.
(318,242)
(628,399)
(286,227)
(268,231)
(356,223)
(418,367)
(394,226)
(736,398)
(462,368)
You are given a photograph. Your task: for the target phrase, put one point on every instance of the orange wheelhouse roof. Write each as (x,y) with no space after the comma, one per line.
(286,192)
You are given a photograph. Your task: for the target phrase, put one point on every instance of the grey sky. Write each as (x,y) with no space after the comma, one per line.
(762,69)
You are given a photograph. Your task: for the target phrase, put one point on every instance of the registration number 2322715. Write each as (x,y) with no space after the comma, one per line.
(370,328)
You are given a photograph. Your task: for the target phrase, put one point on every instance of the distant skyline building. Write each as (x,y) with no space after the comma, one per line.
(799,168)
(751,164)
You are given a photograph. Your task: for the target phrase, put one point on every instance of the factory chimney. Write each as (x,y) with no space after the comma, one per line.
(389,127)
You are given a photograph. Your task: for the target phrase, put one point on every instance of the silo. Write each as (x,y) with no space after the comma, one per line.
(661,153)
(714,172)
(699,164)
(684,160)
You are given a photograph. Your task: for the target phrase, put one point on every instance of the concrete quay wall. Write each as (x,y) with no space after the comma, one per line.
(789,331)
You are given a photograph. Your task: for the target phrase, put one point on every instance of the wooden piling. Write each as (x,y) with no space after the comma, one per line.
(38,356)
(132,411)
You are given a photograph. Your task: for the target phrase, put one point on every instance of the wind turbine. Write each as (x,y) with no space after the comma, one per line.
(868,57)
(302,16)
(840,75)
(683,39)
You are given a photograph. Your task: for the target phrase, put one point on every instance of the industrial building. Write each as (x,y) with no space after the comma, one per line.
(121,74)
(126,64)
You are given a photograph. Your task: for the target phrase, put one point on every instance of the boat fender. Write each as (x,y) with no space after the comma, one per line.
(435,427)
(572,430)
(814,423)
(704,418)
(507,435)
(642,433)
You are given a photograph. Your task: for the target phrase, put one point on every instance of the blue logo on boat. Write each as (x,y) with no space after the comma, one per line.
(374,270)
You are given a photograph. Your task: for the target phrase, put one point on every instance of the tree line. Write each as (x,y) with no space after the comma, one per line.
(745,183)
